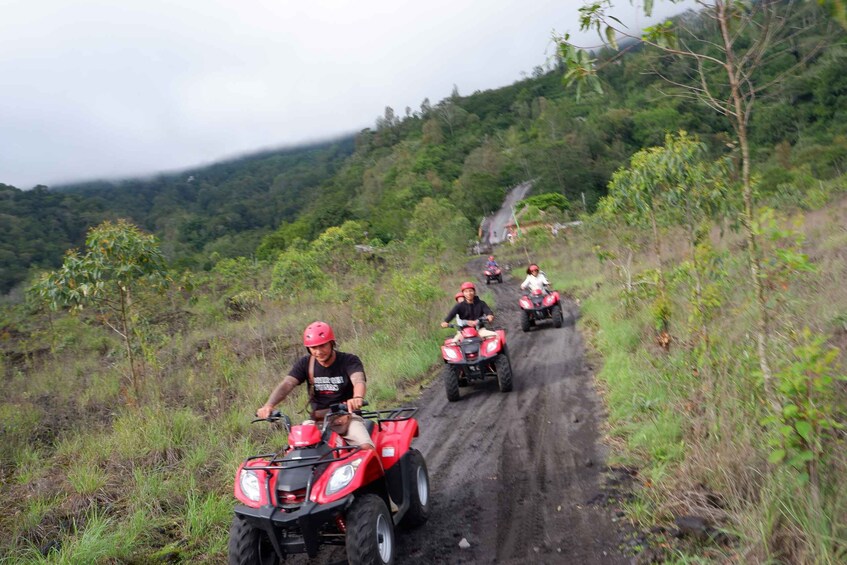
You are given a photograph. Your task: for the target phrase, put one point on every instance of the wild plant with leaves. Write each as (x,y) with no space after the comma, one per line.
(120,262)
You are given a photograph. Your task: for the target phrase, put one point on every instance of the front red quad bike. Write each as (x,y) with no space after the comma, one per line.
(475,359)
(320,491)
(539,306)
(493,274)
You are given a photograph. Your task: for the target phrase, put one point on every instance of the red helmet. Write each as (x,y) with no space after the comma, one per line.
(467,285)
(531,268)
(458,296)
(318,333)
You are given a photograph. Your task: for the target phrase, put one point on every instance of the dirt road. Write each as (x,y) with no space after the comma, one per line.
(511,472)
(494,227)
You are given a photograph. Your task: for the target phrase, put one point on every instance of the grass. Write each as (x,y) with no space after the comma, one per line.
(86,478)
(689,426)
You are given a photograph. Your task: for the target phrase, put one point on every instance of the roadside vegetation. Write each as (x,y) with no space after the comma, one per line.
(688,415)
(709,265)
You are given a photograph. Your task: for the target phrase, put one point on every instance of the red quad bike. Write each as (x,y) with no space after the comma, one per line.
(474,359)
(493,274)
(320,491)
(538,306)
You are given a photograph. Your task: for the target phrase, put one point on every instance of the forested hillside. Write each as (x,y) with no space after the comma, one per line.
(222,209)
(467,149)
(708,266)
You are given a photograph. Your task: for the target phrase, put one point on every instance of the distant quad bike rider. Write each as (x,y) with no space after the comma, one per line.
(535,280)
(333,377)
(491,264)
(469,312)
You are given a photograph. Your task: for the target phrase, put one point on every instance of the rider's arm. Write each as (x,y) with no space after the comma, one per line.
(486,310)
(279,393)
(453,311)
(359,389)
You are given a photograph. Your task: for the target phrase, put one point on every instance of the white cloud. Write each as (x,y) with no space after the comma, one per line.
(96,88)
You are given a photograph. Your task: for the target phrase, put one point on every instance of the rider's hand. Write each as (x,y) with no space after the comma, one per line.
(355,403)
(491,318)
(444,324)
(264,411)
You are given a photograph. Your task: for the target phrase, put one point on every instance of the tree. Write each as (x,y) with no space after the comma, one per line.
(635,197)
(437,225)
(120,260)
(728,75)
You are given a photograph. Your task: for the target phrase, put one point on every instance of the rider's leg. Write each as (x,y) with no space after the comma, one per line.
(357,433)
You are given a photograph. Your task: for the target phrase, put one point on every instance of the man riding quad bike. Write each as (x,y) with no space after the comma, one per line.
(475,358)
(492,271)
(320,490)
(475,352)
(539,301)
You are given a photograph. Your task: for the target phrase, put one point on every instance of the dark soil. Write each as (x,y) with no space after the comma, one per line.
(521,475)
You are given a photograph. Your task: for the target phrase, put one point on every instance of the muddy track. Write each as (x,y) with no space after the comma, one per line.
(512,472)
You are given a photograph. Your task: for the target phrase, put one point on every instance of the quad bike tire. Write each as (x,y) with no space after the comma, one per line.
(558,318)
(525,321)
(500,279)
(450,375)
(419,505)
(370,532)
(249,545)
(504,372)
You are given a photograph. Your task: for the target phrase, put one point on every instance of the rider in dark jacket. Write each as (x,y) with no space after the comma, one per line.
(470,311)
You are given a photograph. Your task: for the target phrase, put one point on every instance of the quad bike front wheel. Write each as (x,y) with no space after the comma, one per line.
(500,279)
(558,318)
(450,375)
(418,512)
(525,321)
(370,532)
(504,372)
(249,545)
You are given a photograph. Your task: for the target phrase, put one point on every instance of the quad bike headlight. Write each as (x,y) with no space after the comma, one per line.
(249,482)
(491,346)
(342,476)
(449,352)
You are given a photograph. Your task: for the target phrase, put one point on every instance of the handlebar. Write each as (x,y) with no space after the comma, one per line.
(335,410)
(481,322)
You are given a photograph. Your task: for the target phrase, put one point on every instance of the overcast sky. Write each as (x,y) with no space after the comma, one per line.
(115,88)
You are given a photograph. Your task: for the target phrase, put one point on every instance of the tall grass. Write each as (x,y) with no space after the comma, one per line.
(690,419)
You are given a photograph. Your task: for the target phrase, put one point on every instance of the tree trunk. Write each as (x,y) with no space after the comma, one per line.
(739,116)
(657,249)
(128,343)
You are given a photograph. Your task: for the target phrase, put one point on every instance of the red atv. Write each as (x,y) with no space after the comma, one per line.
(538,306)
(320,491)
(474,359)
(493,274)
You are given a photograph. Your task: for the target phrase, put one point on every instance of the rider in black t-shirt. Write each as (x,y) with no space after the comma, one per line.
(470,311)
(335,377)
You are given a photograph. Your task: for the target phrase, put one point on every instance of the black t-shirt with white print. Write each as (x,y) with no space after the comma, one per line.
(332,384)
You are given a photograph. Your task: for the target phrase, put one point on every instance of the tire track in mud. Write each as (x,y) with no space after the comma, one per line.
(512,473)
